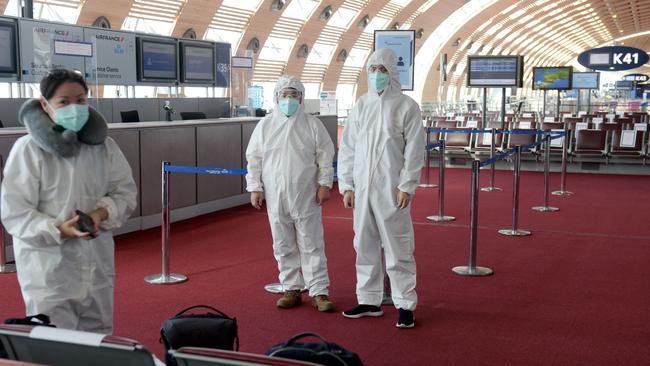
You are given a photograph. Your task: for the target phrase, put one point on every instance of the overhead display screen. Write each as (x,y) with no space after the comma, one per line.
(494,71)
(586,80)
(552,78)
(198,63)
(157,60)
(8,56)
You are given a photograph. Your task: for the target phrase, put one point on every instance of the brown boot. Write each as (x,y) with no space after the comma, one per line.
(322,303)
(290,299)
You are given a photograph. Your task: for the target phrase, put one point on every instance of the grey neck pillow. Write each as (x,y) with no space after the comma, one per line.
(63,143)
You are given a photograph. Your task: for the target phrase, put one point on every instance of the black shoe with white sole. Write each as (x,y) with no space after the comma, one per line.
(362,310)
(406,319)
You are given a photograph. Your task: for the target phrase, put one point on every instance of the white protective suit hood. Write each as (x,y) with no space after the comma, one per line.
(387,58)
(288,81)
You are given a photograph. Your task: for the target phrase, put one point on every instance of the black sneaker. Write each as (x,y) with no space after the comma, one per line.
(362,310)
(406,319)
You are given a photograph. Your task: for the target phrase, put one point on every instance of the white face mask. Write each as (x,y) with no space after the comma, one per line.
(72,117)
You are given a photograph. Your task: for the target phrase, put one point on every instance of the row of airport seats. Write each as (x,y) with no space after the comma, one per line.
(39,345)
(133,116)
(609,142)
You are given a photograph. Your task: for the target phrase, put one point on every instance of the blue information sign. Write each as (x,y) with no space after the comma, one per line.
(613,58)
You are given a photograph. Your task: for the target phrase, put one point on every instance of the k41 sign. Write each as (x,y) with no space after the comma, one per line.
(613,58)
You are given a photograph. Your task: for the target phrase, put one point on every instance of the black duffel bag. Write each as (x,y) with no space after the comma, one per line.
(322,353)
(210,330)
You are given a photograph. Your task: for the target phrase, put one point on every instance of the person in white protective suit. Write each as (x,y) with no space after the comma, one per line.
(65,163)
(290,165)
(380,159)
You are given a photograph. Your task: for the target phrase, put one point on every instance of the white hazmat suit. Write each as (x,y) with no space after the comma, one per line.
(288,159)
(71,280)
(382,151)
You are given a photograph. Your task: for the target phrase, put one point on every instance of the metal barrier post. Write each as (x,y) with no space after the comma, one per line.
(427,163)
(492,188)
(441,189)
(165,277)
(4,266)
(565,157)
(472,269)
(547,168)
(515,231)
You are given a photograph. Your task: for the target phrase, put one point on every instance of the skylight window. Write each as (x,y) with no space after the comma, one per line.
(251,5)
(300,9)
(376,23)
(320,54)
(276,49)
(342,18)
(357,57)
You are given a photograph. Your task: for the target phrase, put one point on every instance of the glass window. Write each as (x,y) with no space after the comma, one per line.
(357,57)
(276,49)
(221,35)
(300,9)
(320,54)
(376,23)
(345,98)
(148,26)
(251,5)
(312,90)
(342,18)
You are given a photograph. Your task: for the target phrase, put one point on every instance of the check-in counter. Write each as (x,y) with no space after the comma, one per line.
(219,143)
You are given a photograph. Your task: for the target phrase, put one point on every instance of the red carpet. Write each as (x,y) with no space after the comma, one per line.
(576,292)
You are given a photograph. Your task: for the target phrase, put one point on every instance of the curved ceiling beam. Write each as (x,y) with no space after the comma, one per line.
(346,41)
(115,10)
(196,14)
(260,26)
(308,35)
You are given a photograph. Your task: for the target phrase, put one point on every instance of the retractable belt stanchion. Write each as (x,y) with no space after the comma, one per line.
(427,163)
(472,269)
(441,188)
(4,266)
(492,188)
(165,278)
(515,231)
(565,153)
(547,168)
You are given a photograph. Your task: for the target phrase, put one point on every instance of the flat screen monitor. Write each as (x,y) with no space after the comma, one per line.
(494,71)
(586,80)
(624,84)
(552,78)
(157,60)
(197,63)
(9,54)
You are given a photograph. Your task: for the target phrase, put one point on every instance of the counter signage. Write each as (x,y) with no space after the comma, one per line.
(636,77)
(613,58)
(113,62)
(403,43)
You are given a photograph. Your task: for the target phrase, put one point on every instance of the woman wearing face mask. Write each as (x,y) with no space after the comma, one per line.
(290,162)
(65,163)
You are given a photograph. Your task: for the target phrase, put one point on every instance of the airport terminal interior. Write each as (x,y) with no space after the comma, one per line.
(496,154)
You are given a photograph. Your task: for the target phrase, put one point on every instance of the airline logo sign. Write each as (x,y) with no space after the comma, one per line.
(613,58)
(636,77)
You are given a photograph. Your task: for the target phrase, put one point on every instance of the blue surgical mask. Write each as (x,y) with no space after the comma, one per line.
(288,106)
(72,117)
(378,81)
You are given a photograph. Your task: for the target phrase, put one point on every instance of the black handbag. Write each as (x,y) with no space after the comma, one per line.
(213,329)
(322,353)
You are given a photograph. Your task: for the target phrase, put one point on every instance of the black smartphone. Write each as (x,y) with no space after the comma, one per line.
(85,223)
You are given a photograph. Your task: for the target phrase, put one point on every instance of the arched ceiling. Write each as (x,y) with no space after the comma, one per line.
(546,32)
